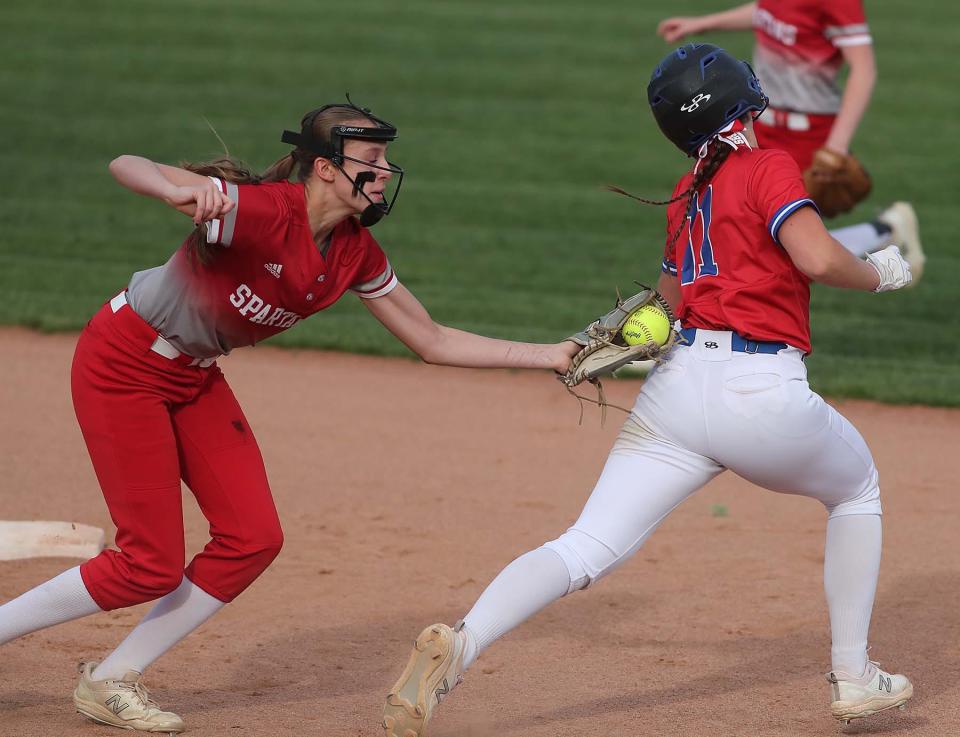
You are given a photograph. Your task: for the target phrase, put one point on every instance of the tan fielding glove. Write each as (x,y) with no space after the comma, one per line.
(605,349)
(836,182)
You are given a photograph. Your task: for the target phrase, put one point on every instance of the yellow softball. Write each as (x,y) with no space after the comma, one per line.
(649,323)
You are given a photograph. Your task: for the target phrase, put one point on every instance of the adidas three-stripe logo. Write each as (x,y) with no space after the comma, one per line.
(274,269)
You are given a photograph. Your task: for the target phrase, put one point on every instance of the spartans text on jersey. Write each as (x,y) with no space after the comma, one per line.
(260,312)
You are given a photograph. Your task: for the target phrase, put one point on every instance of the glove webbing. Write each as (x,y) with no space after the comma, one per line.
(601,400)
(666,308)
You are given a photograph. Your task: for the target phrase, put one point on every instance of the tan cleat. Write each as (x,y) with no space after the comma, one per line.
(433,671)
(905,233)
(855,697)
(124,703)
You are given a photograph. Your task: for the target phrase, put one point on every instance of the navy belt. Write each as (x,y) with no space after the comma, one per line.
(739,343)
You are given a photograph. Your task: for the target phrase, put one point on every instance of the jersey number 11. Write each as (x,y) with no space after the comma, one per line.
(698,240)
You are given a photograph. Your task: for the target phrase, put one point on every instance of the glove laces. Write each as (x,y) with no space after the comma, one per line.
(600,401)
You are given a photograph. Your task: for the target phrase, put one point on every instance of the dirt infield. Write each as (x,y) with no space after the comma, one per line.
(405,488)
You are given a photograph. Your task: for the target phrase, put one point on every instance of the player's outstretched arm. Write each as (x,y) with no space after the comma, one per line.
(674,30)
(403,315)
(856,96)
(192,194)
(818,255)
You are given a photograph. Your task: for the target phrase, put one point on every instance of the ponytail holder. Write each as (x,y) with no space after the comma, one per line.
(734,137)
(731,134)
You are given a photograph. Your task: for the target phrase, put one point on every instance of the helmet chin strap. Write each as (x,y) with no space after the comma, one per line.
(371,215)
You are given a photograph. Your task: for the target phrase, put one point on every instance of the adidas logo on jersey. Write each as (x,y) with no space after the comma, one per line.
(274,269)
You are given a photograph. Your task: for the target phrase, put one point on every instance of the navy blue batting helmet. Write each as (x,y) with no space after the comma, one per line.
(697,90)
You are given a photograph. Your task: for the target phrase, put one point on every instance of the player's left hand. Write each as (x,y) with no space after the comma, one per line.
(565,351)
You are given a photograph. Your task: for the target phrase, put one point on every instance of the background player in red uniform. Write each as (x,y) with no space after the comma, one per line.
(744,241)
(154,407)
(801,46)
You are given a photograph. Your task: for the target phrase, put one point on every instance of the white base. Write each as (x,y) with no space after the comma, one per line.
(49,540)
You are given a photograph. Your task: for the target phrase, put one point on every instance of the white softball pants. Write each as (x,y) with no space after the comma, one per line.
(704,410)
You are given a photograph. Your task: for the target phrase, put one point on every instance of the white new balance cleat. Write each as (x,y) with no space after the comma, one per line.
(855,697)
(123,703)
(905,232)
(433,671)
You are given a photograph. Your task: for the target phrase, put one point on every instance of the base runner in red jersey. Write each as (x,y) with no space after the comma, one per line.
(743,243)
(155,409)
(800,48)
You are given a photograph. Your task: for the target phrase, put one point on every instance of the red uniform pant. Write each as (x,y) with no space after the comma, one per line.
(773,130)
(149,421)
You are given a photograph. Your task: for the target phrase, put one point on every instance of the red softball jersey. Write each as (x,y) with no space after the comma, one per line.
(797,55)
(734,274)
(267,274)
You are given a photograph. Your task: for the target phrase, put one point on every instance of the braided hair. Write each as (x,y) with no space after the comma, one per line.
(716,155)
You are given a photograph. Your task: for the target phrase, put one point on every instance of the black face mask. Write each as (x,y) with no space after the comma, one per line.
(374,211)
(381,132)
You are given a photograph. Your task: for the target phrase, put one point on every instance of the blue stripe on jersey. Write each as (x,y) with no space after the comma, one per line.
(668,267)
(781,215)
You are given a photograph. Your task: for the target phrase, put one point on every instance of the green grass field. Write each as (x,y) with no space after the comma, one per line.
(512,117)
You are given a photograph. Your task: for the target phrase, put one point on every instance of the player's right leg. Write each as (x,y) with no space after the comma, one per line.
(770,428)
(644,479)
(121,395)
(128,434)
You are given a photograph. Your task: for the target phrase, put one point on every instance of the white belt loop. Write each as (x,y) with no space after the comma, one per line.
(161,345)
(166,349)
(798,122)
(790,120)
(117,302)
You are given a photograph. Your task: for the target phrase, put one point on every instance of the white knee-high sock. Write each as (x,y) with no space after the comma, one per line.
(862,238)
(172,618)
(851,567)
(58,600)
(522,589)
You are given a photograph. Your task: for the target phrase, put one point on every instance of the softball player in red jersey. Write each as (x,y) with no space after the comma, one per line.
(744,241)
(155,408)
(801,46)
